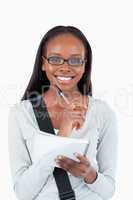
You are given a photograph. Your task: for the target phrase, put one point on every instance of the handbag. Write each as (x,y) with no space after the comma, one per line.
(45,124)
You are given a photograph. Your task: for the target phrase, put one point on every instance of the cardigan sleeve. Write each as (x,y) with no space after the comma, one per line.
(28,178)
(107,150)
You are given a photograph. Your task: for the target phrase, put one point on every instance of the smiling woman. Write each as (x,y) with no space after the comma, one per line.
(65,64)
(59,101)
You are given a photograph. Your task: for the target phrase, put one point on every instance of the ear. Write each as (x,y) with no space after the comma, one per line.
(43,67)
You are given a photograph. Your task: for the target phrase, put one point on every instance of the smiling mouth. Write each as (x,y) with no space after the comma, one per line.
(64,79)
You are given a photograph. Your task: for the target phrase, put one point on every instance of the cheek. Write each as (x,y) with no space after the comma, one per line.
(80,72)
(49,71)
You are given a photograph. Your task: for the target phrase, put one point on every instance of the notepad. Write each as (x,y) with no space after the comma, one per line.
(53,145)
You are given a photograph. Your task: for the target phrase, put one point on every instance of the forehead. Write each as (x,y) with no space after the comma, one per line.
(65,44)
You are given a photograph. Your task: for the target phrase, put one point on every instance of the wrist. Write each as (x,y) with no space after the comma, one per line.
(91,176)
(64,132)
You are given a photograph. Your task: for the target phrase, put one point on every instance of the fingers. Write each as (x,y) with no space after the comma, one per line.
(79,107)
(76,168)
(76,109)
(83,159)
(69,162)
(65,162)
(78,123)
(77,115)
(80,103)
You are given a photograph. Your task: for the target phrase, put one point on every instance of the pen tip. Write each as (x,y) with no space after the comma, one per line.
(58,89)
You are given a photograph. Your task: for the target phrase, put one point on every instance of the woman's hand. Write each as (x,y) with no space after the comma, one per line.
(81,169)
(73,115)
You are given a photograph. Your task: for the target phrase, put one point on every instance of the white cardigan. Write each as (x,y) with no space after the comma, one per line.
(36,180)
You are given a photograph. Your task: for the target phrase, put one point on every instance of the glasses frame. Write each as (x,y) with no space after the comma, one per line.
(64,60)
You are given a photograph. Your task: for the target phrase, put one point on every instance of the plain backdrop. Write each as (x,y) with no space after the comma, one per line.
(108,26)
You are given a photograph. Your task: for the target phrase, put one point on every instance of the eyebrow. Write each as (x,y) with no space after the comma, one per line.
(74,54)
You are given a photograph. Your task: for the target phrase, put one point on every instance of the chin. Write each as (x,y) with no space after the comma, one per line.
(68,88)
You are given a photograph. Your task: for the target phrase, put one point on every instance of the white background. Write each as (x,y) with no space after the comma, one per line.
(108,26)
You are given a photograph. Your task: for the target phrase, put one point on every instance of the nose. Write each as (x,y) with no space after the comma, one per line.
(65,67)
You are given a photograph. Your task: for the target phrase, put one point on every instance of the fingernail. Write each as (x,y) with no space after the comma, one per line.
(59,157)
(73,106)
(76,154)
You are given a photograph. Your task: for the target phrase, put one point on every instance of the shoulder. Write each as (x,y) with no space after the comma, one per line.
(21,115)
(103,113)
(18,109)
(102,107)
(25,104)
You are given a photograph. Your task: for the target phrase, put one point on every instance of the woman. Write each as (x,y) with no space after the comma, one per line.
(64,61)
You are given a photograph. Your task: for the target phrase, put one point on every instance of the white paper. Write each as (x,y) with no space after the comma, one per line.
(53,145)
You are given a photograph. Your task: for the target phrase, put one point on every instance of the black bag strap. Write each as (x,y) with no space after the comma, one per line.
(45,124)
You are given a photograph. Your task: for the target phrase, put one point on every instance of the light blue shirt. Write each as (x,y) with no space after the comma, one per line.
(36,181)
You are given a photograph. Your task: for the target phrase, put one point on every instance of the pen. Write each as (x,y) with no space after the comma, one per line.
(86,149)
(66,100)
(61,94)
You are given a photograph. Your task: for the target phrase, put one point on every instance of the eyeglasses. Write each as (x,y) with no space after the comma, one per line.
(73,61)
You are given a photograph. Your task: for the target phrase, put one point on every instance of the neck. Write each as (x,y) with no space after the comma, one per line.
(53,94)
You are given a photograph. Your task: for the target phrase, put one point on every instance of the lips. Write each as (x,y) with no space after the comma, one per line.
(64,79)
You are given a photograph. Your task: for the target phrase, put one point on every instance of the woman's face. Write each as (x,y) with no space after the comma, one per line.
(65,76)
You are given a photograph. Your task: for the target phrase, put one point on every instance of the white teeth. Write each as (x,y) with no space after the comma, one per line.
(64,78)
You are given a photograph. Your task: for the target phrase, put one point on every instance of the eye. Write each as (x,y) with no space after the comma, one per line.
(55,60)
(76,61)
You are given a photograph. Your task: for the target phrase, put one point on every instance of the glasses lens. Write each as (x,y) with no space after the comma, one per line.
(55,60)
(75,61)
